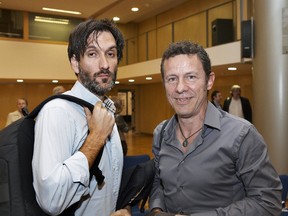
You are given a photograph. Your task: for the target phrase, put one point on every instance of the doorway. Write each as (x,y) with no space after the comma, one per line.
(128,111)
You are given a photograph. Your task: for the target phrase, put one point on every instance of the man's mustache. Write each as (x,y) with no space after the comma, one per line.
(103,72)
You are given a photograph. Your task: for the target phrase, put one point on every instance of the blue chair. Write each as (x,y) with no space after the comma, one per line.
(133,160)
(130,161)
(284,181)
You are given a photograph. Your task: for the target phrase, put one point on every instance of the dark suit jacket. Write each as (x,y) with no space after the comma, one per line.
(246,107)
(215,104)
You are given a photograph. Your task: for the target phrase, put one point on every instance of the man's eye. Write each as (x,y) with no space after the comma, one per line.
(111,54)
(92,54)
(190,77)
(171,80)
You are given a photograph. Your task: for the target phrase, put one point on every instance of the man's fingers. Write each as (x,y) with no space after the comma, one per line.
(87,113)
(98,104)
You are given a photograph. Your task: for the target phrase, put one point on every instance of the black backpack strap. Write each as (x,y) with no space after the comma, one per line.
(162,132)
(95,169)
(145,197)
(71,98)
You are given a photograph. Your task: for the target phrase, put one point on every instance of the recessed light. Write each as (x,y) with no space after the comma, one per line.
(54,81)
(134,9)
(131,80)
(232,68)
(20,80)
(51,20)
(117,82)
(61,11)
(116,19)
(148,78)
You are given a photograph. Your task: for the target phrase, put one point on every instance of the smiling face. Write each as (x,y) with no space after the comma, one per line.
(186,85)
(97,68)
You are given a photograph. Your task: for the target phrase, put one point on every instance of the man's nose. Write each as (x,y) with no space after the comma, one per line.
(104,64)
(181,85)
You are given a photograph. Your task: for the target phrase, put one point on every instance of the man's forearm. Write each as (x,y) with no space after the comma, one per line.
(92,147)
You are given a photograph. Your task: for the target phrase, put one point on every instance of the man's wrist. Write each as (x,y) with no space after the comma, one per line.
(156,210)
(128,208)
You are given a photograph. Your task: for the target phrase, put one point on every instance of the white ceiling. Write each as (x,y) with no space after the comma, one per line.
(109,9)
(97,8)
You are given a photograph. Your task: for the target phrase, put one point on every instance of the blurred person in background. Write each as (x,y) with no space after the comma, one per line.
(58,90)
(21,111)
(120,122)
(216,99)
(238,105)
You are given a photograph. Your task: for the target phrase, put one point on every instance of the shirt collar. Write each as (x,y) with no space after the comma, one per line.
(212,120)
(82,92)
(212,116)
(109,104)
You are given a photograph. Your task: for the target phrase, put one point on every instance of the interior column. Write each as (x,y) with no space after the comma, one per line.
(270,78)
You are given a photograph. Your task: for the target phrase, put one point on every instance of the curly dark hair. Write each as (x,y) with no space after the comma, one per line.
(187,48)
(79,36)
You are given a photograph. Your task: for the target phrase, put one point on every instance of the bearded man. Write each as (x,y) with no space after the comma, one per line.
(64,150)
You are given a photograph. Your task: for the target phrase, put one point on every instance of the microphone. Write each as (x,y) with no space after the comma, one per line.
(25,111)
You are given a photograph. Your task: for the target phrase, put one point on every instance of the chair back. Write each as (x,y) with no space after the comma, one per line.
(284,181)
(133,160)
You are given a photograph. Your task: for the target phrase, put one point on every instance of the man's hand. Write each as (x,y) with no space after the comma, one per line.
(158,212)
(100,124)
(123,212)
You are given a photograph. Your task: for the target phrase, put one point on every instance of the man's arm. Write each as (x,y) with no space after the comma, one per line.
(100,124)
(60,172)
(261,181)
(156,200)
(57,174)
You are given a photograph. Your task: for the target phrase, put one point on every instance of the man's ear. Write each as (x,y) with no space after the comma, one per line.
(74,64)
(210,80)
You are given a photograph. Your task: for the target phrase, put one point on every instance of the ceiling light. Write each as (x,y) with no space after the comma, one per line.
(148,78)
(51,20)
(116,19)
(134,9)
(117,82)
(20,80)
(54,81)
(61,11)
(232,68)
(131,80)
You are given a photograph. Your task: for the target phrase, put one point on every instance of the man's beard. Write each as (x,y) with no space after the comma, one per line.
(95,87)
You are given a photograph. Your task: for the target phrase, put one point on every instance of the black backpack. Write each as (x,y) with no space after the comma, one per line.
(17,195)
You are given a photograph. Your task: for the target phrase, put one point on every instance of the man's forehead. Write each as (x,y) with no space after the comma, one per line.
(21,101)
(96,37)
(183,61)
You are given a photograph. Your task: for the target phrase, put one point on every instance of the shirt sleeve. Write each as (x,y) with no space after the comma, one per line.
(156,196)
(9,120)
(60,172)
(259,178)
